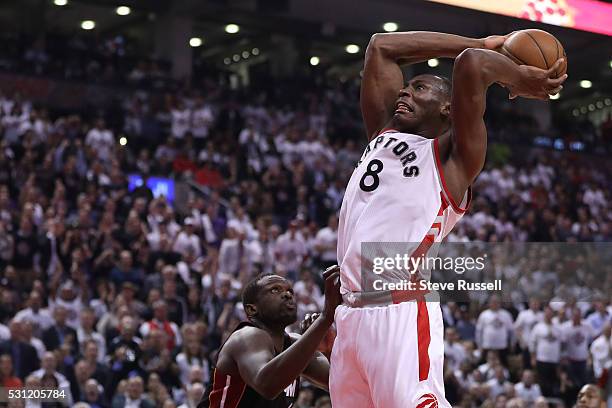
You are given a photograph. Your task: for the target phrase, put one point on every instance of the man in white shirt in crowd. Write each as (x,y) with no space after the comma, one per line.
(49,368)
(454,351)
(187,240)
(527,390)
(180,124)
(498,384)
(86,331)
(545,346)
(326,242)
(307,294)
(235,254)
(101,141)
(495,329)
(291,250)
(577,336)
(601,351)
(599,317)
(201,120)
(39,317)
(525,322)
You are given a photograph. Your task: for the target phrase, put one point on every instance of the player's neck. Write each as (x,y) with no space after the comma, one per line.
(429,131)
(275,331)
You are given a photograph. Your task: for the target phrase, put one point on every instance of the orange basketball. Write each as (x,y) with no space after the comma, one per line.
(536,48)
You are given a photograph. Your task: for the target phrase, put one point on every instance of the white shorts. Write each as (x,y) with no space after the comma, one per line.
(388,357)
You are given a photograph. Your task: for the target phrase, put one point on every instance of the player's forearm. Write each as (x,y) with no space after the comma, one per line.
(414,46)
(275,376)
(485,67)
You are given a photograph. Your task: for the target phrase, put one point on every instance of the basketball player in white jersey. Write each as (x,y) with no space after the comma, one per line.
(427,144)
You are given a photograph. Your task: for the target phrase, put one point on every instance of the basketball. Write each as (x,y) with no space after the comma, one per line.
(536,48)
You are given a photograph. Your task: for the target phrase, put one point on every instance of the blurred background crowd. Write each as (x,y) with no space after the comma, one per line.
(120,290)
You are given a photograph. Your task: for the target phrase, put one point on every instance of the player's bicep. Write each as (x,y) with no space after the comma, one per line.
(380,85)
(251,356)
(467,110)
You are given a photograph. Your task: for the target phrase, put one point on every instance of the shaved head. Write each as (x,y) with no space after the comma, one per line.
(442,84)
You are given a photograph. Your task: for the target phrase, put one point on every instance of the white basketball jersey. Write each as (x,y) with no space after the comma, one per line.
(397,193)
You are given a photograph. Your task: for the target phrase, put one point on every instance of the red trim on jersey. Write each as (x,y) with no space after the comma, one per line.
(446,191)
(423,339)
(235,388)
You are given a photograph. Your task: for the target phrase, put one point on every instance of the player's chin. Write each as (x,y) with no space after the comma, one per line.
(289,316)
(404,120)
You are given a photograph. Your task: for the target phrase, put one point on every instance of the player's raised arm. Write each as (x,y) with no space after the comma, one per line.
(386,52)
(269,375)
(474,71)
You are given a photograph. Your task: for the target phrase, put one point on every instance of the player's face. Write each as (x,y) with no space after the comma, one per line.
(588,397)
(418,104)
(276,303)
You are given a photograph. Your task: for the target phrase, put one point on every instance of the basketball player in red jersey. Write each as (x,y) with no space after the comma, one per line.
(259,365)
(427,143)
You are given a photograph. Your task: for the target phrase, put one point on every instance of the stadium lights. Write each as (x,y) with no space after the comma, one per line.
(314,61)
(610,63)
(352,49)
(88,24)
(60,2)
(255,51)
(123,141)
(390,27)
(236,57)
(434,62)
(195,41)
(232,28)
(608,101)
(585,83)
(227,61)
(575,112)
(245,54)
(583,109)
(555,96)
(591,107)
(123,10)
(599,104)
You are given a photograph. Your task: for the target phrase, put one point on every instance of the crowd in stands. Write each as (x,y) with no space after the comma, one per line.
(122,298)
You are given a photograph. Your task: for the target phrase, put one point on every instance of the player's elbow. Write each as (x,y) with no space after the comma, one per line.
(380,44)
(468,62)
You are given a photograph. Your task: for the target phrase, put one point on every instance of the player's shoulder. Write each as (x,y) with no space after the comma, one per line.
(248,336)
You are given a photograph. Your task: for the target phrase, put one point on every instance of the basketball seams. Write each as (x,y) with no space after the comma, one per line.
(540,49)
(513,57)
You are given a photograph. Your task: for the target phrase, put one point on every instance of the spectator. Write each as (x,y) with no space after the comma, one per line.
(577,335)
(60,333)
(7,378)
(526,389)
(23,355)
(523,325)
(194,395)
(50,378)
(546,339)
(39,317)
(494,329)
(134,396)
(160,322)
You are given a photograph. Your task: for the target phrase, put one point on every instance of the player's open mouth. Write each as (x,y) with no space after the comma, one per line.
(290,306)
(403,107)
